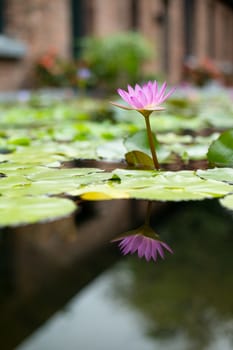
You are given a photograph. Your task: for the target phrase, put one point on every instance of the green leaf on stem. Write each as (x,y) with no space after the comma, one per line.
(139,160)
(139,141)
(221,150)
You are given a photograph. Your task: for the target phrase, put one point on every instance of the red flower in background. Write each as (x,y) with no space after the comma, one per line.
(49,59)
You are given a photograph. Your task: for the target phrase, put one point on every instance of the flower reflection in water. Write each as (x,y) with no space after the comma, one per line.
(143,240)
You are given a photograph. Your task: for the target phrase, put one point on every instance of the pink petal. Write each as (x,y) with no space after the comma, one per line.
(154,108)
(125,242)
(135,103)
(160,250)
(168,94)
(161,92)
(154,252)
(130,244)
(139,94)
(148,91)
(124,251)
(136,243)
(124,95)
(148,251)
(122,106)
(131,90)
(167,247)
(142,98)
(148,85)
(155,91)
(137,89)
(126,247)
(142,247)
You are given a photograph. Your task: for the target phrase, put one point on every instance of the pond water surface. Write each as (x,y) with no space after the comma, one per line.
(182,303)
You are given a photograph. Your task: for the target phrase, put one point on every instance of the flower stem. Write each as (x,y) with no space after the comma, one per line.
(151,143)
(148,213)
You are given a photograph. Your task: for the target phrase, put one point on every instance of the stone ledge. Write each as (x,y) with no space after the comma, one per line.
(11,48)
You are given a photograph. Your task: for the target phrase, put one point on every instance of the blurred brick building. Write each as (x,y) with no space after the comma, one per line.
(177,29)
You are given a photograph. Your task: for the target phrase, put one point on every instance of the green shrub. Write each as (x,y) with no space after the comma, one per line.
(116,60)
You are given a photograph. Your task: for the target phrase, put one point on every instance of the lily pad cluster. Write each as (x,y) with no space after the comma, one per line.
(41,145)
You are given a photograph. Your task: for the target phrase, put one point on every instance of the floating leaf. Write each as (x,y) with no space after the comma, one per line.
(29,210)
(11,183)
(41,181)
(36,155)
(174,186)
(220,174)
(155,185)
(111,150)
(227,202)
(20,141)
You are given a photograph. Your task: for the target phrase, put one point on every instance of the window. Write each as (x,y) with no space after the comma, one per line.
(134,14)
(10,48)
(211,29)
(82,21)
(189,24)
(77,24)
(1,16)
(166,24)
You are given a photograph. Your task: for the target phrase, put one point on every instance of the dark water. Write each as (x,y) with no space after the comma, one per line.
(182,303)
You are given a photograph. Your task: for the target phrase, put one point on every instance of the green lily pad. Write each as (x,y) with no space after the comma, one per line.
(155,185)
(20,141)
(29,210)
(10,183)
(227,201)
(220,174)
(113,150)
(41,181)
(36,155)
(175,186)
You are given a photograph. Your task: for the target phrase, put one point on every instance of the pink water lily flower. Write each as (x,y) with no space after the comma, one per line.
(147,97)
(143,244)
